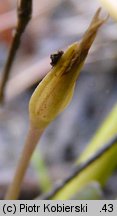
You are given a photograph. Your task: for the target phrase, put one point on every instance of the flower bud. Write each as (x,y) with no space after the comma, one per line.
(55,91)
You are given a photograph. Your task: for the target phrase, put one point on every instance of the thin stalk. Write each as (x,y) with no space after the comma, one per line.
(33,137)
(54,193)
(24,12)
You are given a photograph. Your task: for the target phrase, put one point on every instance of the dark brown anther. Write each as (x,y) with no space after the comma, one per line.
(55,57)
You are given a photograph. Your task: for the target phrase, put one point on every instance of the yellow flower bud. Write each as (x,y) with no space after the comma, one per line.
(55,91)
(51,97)
(111,6)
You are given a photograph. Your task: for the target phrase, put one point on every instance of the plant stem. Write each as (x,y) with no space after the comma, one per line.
(24,16)
(32,139)
(111,144)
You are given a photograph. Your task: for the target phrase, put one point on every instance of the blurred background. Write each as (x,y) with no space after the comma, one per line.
(55,25)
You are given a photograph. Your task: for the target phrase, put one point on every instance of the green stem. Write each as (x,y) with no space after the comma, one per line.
(32,139)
